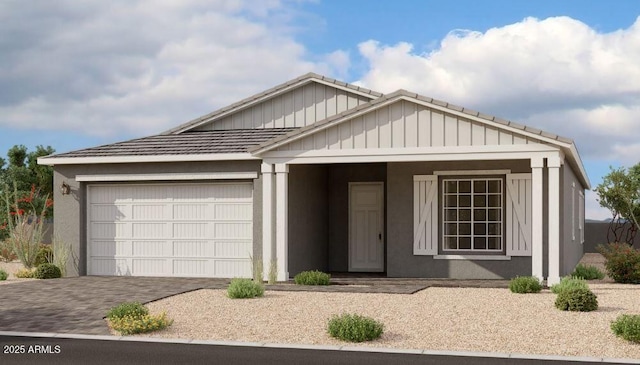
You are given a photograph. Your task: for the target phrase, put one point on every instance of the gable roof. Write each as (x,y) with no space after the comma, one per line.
(271,93)
(210,142)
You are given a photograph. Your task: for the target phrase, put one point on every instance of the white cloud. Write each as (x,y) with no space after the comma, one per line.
(557,74)
(593,210)
(131,68)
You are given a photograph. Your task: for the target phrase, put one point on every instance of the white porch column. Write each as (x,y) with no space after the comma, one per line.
(282,244)
(553,164)
(267,218)
(536,218)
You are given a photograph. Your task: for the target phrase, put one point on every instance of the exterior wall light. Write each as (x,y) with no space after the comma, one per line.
(65,189)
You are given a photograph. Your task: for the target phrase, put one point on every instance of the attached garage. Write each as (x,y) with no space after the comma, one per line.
(195,230)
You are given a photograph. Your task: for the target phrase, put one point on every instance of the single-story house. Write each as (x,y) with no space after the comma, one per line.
(319,174)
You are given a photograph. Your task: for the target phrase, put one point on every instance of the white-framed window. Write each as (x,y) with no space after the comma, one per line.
(573,211)
(472,212)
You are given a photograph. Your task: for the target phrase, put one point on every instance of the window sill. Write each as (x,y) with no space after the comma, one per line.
(473,257)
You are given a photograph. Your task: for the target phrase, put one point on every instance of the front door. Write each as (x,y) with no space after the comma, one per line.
(366,223)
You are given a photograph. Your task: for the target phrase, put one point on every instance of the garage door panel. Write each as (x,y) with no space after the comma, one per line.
(103,230)
(148,230)
(233,249)
(233,230)
(149,212)
(203,230)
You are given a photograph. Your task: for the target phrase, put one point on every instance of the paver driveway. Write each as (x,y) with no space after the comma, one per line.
(78,305)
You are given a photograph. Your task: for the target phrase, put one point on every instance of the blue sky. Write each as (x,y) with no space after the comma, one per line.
(99,72)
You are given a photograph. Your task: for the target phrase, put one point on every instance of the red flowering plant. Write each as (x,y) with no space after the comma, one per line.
(24,223)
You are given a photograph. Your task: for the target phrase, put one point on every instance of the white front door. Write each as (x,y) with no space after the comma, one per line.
(366,220)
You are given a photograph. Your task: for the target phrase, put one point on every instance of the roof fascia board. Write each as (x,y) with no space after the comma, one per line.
(249,103)
(168,176)
(142,159)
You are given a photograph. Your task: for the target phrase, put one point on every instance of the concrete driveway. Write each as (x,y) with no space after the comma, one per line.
(78,305)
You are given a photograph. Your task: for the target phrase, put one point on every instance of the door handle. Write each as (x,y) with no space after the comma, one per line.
(380,236)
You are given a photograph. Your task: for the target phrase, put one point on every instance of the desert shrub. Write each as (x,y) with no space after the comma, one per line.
(587,272)
(525,284)
(577,300)
(6,251)
(354,328)
(25,273)
(3,275)
(128,309)
(622,262)
(25,224)
(312,278)
(273,272)
(627,327)
(47,271)
(148,323)
(44,256)
(60,254)
(569,282)
(244,288)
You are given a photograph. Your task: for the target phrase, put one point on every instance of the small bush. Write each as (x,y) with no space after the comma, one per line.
(569,282)
(3,275)
(623,262)
(354,328)
(44,256)
(525,284)
(128,309)
(587,272)
(244,288)
(47,271)
(6,251)
(129,325)
(627,327)
(577,300)
(312,278)
(25,273)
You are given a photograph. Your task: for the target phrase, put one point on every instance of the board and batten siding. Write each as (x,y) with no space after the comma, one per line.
(405,124)
(296,108)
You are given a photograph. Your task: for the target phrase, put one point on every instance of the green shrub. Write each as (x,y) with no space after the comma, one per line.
(129,325)
(569,282)
(577,300)
(622,262)
(128,309)
(354,328)
(587,272)
(25,273)
(244,288)
(3,275)
(525,284)
(312,278)
(47,271)
(627,327)
(44,256)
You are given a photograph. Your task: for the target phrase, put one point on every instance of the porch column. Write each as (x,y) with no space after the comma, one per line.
(553,164)
(537,164)
(267,218)
(282,192)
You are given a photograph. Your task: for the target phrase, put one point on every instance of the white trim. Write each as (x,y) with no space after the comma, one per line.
(371,156)
(537,218)
(267,218)
(425,210)
(472,172)
(554,220)
(581,215)
(151,158)
(573,211)
(473,257)
(169,176)
(282,244)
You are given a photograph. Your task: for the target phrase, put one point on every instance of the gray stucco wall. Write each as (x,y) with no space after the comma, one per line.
(339,178)
(401,262)
(70,210)
(571,249)
(308,218)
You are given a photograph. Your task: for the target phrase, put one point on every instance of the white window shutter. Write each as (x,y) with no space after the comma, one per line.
(425,215)
(518,215)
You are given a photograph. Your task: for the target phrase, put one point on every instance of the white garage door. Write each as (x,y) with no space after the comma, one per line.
(198,230)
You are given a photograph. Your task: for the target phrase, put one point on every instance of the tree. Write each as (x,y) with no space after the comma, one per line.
(620,193)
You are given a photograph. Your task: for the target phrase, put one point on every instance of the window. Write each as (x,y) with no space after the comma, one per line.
(573,211)
(581,216)
(472,214)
